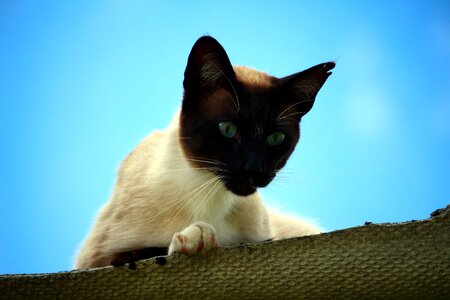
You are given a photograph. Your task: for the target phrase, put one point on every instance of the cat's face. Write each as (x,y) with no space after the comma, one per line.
(239,123)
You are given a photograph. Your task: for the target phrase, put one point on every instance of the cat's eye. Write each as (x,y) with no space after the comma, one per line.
(228,129)
(275,139)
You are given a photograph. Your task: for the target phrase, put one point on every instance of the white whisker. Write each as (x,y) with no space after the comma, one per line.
(190,199)
(206,160)
(291,106)
(236,103)
(180,200)
(288,116)
(187,169)
(209,195)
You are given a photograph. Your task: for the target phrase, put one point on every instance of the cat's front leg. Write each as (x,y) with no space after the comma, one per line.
(194,238)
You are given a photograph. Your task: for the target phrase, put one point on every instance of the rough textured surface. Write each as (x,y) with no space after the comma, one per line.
(389,261)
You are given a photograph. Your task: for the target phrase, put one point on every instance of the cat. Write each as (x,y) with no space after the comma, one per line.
(193,186)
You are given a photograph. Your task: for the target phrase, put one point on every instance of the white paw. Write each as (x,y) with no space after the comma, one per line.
(195,238)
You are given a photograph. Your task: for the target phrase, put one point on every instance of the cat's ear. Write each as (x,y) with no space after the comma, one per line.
(208,66)
(300,90)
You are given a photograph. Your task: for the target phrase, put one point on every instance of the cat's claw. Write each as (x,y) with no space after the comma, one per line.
(194,238)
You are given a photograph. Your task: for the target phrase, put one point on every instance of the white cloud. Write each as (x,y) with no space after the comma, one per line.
(368,109)
(368,113)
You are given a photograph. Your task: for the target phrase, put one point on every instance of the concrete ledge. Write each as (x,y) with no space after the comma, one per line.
(387,261)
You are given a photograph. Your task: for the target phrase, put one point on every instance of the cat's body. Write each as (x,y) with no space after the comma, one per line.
(176,189)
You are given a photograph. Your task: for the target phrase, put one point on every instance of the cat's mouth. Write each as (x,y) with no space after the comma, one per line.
(242,183)
(245,187)
(240,189)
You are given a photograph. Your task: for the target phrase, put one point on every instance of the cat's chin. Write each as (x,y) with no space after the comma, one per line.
(240,190)
(246,187)
(244,193)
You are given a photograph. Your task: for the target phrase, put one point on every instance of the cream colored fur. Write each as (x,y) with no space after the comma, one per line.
(158,193)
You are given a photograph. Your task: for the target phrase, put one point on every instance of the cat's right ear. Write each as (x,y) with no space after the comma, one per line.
(208,66)
(300,89)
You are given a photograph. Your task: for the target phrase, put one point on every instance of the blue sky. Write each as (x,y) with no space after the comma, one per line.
(82,82)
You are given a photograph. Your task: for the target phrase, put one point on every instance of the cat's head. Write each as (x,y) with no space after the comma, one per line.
(239,123)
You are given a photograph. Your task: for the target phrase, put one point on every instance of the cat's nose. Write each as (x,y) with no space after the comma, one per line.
(253,166)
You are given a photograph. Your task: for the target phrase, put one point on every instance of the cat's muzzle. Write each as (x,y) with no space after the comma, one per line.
(247,186)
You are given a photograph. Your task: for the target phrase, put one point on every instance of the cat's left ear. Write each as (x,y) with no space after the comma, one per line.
(300,90)
(208,66)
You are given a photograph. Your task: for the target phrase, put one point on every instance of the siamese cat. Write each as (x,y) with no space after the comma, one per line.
(193,186)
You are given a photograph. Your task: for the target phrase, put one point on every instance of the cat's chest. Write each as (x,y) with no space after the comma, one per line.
(214,207)
(218,218)
(200,196)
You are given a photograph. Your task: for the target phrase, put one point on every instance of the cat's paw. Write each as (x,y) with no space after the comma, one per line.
(195,238)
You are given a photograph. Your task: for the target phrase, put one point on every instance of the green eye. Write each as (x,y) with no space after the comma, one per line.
(275,139)
(227,129)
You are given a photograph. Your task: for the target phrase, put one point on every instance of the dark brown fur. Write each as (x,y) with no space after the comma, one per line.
(215,92)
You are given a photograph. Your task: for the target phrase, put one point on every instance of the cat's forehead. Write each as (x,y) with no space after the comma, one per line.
(252,78)
(259,101)
(251,102)
(257,88)
(254,104)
